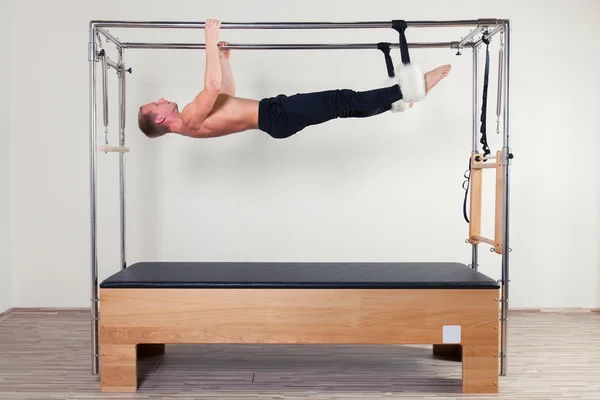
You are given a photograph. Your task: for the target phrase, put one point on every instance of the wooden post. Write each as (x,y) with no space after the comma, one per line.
(476,188)
(118,367)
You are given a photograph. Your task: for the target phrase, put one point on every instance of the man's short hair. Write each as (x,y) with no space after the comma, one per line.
(148,126)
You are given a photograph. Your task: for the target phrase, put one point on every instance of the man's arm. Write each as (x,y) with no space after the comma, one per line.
(205,100)
(228,84)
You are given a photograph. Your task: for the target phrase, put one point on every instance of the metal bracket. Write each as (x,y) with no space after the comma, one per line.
(506,156)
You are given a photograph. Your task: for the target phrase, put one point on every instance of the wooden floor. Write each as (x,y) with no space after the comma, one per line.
(47,356)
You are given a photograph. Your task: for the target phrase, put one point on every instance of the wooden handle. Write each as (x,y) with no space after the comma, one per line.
(482,239)
(476,192)
(112,149)
(483,166)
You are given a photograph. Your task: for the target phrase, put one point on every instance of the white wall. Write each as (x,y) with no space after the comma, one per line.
(5,270)
(378,189)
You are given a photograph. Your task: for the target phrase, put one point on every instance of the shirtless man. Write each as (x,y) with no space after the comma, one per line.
(216,111)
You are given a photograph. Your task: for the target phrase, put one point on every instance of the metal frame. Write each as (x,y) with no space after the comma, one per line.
(479,27)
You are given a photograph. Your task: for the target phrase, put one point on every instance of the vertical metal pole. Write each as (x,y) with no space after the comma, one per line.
(122,88)
(506,201)
(104,64)
(475,99)
(475,248)
(93,248)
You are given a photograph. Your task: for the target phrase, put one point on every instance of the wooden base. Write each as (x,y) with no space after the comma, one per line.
(297,316)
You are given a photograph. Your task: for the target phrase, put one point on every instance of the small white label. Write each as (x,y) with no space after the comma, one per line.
(451,334)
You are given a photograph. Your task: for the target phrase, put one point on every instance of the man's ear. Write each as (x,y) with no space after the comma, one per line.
(159,119)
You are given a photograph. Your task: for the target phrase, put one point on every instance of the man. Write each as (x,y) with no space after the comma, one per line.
(216,111)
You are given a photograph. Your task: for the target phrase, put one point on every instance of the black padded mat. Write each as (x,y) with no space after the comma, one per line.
(355,275)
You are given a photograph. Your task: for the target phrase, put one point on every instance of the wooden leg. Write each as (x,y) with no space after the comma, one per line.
(480,369)
(150,350)
(118,368)
(451,352)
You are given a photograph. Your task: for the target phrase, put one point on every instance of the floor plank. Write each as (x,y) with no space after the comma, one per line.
(47,356)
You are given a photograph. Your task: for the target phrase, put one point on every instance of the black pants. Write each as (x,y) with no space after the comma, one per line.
(282,116)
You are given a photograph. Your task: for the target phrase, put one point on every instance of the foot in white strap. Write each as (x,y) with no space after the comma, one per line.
(412,83)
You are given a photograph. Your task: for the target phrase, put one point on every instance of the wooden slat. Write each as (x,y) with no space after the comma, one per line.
(131,316)
(483,166)
(481,239)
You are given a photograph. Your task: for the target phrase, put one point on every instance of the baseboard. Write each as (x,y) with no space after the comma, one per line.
(85,310)
(50,310)
(555,310)
(6,313)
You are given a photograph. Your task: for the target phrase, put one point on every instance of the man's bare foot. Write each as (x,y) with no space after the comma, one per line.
(434,77)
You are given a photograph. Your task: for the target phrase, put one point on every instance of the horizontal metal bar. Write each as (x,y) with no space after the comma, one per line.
(110,37)
(293,25)
(315,46)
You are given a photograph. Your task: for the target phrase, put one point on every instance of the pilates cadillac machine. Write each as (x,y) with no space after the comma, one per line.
(451,306)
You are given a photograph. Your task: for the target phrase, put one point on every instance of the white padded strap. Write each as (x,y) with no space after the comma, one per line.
(411,79)
(400,105)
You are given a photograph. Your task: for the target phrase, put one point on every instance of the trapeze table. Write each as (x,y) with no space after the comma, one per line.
(150,304)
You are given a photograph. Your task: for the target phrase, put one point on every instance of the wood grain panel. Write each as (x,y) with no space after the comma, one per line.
(297,316)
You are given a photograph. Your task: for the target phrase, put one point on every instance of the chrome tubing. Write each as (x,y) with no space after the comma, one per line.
(295,25)
(470,36)
(93,248)
(112,64)
(311,46)
(489,35)
(104,64)
(475,247)
(500,80)
(475,99)
(122,110)
(506,155)
(110,37)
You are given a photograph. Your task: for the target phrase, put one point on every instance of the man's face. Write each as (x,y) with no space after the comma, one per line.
(161,107)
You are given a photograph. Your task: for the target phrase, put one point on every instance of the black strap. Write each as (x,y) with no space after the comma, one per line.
(400,26)
(385,49)
(483,130)
(466,185)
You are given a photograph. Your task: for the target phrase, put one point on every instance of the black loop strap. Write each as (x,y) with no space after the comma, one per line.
(483,130)
(466,185)
(400,26)
(385,49)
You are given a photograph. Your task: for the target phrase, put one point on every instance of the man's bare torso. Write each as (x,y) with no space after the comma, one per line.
(229,115)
